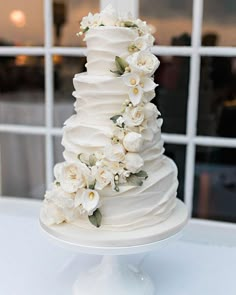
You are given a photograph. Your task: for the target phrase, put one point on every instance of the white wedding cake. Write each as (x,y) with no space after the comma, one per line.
(115,175)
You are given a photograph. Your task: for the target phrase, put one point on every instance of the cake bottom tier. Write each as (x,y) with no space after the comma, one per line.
(137,207)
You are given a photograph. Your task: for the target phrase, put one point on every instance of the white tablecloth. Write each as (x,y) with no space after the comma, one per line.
(31,265)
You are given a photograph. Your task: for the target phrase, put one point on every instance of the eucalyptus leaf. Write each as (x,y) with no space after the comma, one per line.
(96,218)
(117,188)
(121,64)
(134,180)
(142,174)
(85,30)
(129,24)
(115,118)
(116,72)
(92,160)
(92,185)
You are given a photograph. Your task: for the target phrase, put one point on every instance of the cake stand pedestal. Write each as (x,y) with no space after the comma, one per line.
(114,275)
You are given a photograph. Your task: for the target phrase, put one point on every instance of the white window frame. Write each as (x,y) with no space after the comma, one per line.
(195,52)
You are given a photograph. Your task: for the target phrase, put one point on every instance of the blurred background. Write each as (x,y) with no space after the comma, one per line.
(40,53)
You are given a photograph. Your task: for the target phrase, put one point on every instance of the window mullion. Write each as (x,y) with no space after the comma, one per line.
(192,111)
(48,15)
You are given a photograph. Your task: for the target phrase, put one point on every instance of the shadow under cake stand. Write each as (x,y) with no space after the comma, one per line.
(113,275)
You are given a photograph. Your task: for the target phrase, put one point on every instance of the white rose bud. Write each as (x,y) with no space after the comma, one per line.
(133,142)
(134,162)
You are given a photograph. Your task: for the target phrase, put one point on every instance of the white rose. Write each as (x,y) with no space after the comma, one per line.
(115,152)
(108,16)
(148,96)
(144,42)
(88,199)
(133,162)
(150,110)
(134,116)
(91,21)
(51,214)
(118,133)
(143,27)
(159,122)
(58,207)
(133,142)
(114,167)
(103,177)
(143,61)
(70,176)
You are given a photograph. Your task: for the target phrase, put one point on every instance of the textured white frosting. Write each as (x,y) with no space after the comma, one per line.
(97,99)
(103,44)
(99,95)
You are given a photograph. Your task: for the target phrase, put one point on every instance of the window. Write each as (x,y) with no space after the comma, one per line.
(39,54)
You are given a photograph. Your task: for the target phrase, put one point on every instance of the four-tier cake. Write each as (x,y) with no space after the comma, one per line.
(115,175)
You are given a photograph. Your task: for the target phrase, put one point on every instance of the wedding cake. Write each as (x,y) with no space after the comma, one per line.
(115,176)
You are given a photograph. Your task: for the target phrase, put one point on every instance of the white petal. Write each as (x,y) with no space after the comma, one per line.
(135,97)
(78,198)
(129,77)
(148,84)
(90,204)
(58,170)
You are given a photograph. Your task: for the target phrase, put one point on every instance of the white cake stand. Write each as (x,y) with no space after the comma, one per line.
(114,275)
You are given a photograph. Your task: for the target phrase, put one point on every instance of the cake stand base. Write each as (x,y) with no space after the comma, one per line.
(113,276)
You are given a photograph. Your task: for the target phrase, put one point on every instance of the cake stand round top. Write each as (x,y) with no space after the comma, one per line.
(101,241)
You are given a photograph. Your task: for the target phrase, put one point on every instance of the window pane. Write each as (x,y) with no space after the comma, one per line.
(22,90)
(22,163)
(217,97)
(219,23)
(171,19)
(64,70)
(172,92)
(22,23)
(67,15)
(215,184)
(58,149)
(177,154)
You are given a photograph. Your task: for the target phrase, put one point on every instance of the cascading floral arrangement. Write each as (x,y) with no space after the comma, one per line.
(77,185)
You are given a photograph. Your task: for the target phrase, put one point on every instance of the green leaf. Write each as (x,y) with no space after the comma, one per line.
(117,189)
(129,24)
(92,185)
(115,118)
(134,180)
(84,158)
(142,174)
(116,72)
(121,64)
(96,218)
(85,30)
(92,160)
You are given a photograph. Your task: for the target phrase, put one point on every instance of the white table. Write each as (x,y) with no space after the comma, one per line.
(203,262)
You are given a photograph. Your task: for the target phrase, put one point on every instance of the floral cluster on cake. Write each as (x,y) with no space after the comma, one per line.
(77,186)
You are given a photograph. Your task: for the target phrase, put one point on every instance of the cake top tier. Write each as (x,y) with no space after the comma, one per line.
(108,35)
